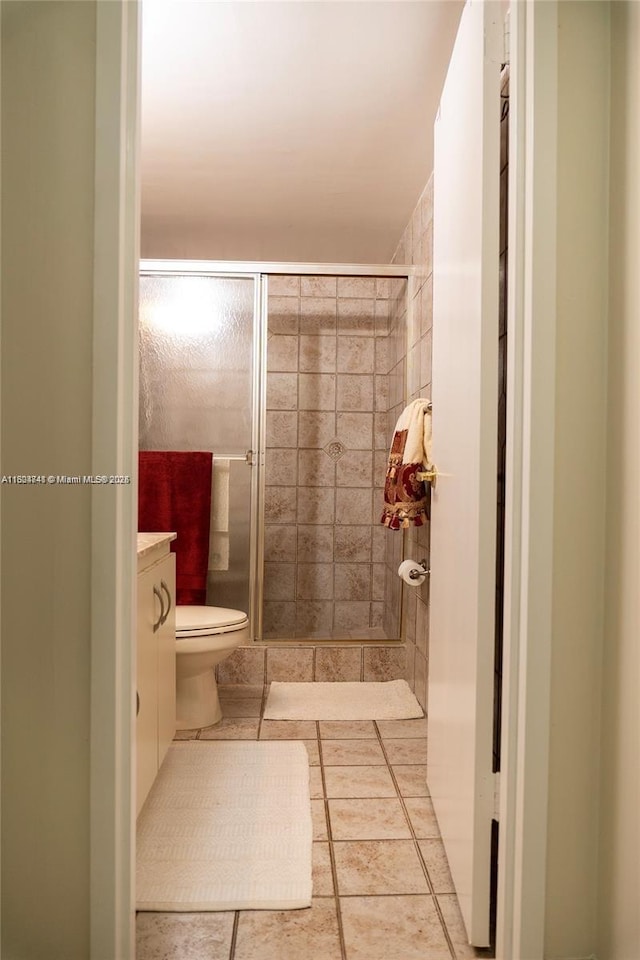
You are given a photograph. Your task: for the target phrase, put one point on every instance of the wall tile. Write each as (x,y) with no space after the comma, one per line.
(314,581)
(383,287)
(356,354)
(378,542)
(351,615)
(279,619)
(282,391)
(355,430)
(317,391)
(279,581)
(353,544)
(422,627)
(317,354)
(377,617)
(318,316)
(315,544)
(292,664)
(356,286)
(420,688)
(316,429)
(316,505)
(377,581)
(384,663)
(381,393)
(283,315)
(282,353)
(244,665)
(383,318)
(281,467)
(352,581)
(355,392)
(280,543)
(280,505)
(318,286)
(357,317)
(354,469)
(315,469)
(381,433)
(353,505)
(282,428)
(283,286)
(338,664)
(314,618)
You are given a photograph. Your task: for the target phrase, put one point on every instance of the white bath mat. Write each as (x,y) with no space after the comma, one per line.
(227,826)
(389,700)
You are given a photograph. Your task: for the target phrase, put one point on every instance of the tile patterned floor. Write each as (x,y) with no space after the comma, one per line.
(381,883)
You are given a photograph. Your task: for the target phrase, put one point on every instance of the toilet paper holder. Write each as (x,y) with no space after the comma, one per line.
(414,575)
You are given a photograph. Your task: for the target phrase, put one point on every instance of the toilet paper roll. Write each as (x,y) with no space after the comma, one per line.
(406,568)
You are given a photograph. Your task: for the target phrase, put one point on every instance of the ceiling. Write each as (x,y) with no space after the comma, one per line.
(297,131)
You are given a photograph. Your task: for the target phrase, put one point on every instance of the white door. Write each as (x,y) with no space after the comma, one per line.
(463,515)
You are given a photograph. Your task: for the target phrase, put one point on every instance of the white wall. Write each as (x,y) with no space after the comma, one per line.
(48,121)
(579,503)
(619,870)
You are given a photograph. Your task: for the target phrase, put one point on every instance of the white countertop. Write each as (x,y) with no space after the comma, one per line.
(149,541)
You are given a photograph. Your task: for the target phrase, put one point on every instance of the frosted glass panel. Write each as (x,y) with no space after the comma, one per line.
(196,376)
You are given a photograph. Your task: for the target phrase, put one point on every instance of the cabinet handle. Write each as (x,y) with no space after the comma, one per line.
(164,587)
(160,619)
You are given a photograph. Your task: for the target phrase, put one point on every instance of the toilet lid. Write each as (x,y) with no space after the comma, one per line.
(201,620)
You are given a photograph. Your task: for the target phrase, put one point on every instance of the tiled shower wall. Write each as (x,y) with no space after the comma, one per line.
(413,333)
(330,362)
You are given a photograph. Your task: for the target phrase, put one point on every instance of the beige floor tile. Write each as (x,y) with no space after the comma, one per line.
(393,928)
(319,817)
(234,728)
(437,865)
(288,729)
(322,873)
(313,751)
(351,752)
(347,730)
(186,734)
(311,934)
(368,820)
(422,816)
(456,929)
(241,708)
(406,751)
(190,936)
(359,781)
(316,787)
(402,729)
(411,780)
(378,867)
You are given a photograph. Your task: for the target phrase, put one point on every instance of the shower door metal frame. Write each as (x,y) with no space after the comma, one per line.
(260,273)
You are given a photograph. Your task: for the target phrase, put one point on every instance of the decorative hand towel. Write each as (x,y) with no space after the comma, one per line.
(406,499)
(174,496)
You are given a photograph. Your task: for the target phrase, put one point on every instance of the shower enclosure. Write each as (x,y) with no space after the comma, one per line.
(293,376)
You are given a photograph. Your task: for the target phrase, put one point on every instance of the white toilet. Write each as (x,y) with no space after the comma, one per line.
(204,637)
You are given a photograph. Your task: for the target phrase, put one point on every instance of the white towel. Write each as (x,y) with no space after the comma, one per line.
(219,536)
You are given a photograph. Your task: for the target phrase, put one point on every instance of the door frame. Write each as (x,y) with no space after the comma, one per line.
(531,319)
(529,514)
(114,517)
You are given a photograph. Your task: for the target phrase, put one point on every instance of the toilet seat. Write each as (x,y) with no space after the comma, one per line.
(207,621)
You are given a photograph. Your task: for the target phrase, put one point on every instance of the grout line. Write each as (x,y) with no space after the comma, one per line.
(234,935)
(334,871)
(434,897)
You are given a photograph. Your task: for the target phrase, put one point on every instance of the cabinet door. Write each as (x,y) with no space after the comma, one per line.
(165,578)
(149,610)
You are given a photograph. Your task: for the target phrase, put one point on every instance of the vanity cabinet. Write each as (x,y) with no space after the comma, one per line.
(155,665)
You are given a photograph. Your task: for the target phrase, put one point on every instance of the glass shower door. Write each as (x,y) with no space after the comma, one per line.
(197,372)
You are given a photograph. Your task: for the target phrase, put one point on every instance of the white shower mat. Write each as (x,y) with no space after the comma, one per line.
(389,700)
(227,826)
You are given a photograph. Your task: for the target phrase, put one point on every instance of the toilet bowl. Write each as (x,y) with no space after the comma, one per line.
(204,637)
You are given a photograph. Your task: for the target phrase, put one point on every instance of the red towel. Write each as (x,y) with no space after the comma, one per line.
(174,495)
